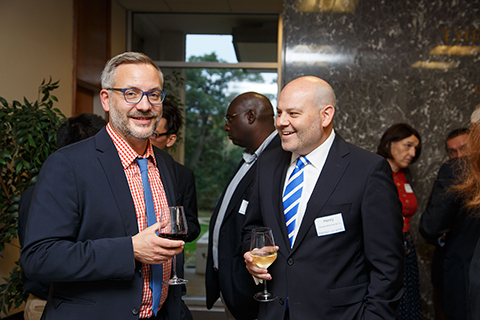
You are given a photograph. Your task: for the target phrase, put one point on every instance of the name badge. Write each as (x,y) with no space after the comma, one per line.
(243,207)
(329,225)
(408,188)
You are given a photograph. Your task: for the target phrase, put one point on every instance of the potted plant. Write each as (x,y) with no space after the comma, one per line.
(28,136)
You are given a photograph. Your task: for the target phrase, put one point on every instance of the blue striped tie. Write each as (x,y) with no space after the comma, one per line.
(157,269)
(292,195)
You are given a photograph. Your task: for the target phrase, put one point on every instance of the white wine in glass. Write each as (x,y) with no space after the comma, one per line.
(263,253)
(176,229)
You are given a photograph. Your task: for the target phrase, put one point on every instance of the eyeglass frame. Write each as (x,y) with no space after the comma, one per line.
(144,93)
(228,118)
(158,135)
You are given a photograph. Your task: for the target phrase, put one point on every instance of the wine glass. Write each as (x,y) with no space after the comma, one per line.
(263,253)
(175,229)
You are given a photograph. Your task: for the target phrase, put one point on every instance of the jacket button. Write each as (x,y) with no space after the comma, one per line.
(135,311)
(290,262)
(281,301)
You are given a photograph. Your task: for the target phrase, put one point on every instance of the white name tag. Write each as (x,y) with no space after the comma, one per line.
(329,225)
(408,188)
(243,207)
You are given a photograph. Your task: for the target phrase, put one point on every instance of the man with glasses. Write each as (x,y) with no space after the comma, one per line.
(164,137)
(454,231)
(92,224)
(249,124)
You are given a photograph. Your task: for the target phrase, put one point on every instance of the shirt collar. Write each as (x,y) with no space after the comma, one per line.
(249,158)
(125,151)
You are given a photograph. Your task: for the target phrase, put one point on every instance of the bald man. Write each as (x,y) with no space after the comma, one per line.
(249,124)
(335,215)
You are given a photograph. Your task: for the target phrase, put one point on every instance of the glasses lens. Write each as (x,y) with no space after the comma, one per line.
(155,96)
(133,95)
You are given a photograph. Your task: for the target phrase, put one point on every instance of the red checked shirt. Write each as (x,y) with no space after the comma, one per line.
(134,177)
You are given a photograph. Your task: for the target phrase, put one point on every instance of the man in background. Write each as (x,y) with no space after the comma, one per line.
(72,130)
(456,143)
(454,233)
(164,137)
(249,124)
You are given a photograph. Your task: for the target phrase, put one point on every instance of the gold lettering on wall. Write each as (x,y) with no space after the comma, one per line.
(462,35)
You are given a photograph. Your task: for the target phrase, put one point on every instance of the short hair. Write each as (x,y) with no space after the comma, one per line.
(77,128)
(108,73)
(457,132)
(174,117)
(397,132)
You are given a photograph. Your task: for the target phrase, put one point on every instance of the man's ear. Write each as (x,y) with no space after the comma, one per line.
(327,114)
(105,100)
(251,116)
(171,140)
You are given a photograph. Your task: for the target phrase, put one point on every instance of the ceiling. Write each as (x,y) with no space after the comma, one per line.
(252,23)
(204,6)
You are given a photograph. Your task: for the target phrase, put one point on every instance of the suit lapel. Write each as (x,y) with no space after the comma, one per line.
(279,173)
(332,172)
(246,181)
(167,176)
(110,161)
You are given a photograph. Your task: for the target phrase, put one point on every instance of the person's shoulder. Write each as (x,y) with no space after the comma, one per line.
(183,170)
(357,152)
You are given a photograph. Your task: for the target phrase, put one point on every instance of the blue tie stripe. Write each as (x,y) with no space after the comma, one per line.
(157,269)
(292,196)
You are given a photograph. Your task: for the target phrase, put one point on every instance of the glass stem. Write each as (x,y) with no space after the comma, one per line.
(174,263)
(265,292)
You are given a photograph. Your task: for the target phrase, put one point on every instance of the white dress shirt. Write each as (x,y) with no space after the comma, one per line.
(311,173)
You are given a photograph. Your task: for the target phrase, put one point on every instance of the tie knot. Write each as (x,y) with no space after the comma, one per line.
(302,162)
(143,164)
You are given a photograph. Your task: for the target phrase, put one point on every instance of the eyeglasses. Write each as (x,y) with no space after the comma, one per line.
(158,135)
(228,118)
(134,96)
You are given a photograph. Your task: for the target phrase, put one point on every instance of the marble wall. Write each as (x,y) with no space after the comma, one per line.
(369,56)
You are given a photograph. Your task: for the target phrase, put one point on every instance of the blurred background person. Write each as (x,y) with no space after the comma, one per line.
(468,186)
(456,143)
(165,137)
(401,145)
(455,146)
(249,123)
(454,230)
(70,131)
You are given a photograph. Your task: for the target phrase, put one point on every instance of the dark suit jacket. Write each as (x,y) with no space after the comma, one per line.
(232,278)
(446,215)
(38,288)
(355,274)
(187,197)
(79,230)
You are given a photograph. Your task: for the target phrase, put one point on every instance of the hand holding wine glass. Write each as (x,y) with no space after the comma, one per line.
(176,228)
(263,253)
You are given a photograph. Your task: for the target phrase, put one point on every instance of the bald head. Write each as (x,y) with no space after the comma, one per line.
(305,112)
(316,90)
(250,120)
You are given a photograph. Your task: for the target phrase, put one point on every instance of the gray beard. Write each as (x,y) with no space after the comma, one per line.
(121,123)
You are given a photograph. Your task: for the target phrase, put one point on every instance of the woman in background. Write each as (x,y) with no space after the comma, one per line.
(401,146)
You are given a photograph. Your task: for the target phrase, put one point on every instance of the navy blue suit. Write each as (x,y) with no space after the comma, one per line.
(354,274)
(79,230)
